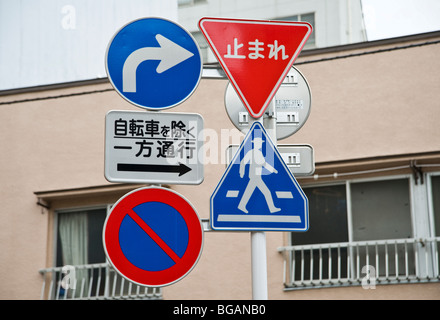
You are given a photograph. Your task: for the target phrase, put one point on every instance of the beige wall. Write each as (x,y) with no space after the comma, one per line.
(366,106)
(373,105)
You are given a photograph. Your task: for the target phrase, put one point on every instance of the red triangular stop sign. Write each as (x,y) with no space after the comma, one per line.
(256,55)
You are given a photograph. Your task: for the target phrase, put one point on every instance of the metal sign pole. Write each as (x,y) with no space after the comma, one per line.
(259,265)
(258,238)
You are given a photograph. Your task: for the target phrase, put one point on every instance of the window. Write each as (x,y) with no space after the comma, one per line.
(435,209)
(327,214)
(307,17)
(381,210)
(79,242)
(79,248)
(79,237)
(182,3)
(367,223)
(203,45)
(435,186)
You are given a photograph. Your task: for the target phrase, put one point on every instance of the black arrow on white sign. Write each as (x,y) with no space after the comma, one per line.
(180,168)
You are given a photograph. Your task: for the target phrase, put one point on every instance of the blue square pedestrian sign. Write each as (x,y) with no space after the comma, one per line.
(257,191)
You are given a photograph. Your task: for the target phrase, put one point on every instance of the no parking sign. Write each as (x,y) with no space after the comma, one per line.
(153,236)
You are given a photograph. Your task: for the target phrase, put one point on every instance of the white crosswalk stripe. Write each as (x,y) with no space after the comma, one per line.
(257,218)
(232,194)
(279,194)
(284,194)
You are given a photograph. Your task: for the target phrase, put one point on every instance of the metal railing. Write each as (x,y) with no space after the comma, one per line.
(352,263)
(92,281)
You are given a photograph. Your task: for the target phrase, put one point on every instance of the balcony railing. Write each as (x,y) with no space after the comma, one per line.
(361,263)
(93,281)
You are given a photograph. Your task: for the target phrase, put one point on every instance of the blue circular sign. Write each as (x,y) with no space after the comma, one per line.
(160,217)
(154,63)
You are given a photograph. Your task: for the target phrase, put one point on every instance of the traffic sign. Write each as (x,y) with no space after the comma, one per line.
(299,158)
(153,237)
(258,191)
(154,147)
(292,105)
(256,55)
(154,63)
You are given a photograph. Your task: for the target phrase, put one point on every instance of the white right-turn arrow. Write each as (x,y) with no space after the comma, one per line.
(168,52)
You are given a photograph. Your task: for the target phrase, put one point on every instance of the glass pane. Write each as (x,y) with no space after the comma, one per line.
(327,216)
(184,2)
(381,210)
(435,182)
(435,185)
(95,223)
(290,18)
(203,45)
(82,240)
(308,17)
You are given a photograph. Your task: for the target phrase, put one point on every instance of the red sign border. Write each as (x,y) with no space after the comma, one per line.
(137,275)
(225,68)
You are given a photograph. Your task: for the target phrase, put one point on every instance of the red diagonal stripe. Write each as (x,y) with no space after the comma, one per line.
(153,235)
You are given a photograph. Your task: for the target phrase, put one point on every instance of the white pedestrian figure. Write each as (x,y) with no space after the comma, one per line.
(256,162)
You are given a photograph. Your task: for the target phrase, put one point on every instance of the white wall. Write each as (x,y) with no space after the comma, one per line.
(337,21)
(52,41)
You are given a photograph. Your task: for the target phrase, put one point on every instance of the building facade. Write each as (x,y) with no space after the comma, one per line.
(72,35)
(334,22)
(374,198)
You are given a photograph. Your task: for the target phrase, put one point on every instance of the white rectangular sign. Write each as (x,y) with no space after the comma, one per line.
(299,158)
(153,147)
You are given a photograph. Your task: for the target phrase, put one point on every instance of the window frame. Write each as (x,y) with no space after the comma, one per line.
(57,212)
(431,216)
(190,3)
(299,17)
(347,184)
(416,262)
(58,201)
(109,283)
(431,209)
